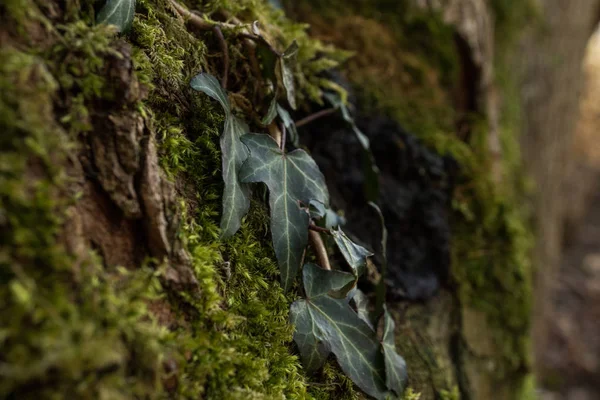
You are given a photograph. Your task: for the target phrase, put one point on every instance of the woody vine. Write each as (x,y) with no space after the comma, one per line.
(333,316)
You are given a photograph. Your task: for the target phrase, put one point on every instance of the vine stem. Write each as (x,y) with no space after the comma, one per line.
(319,114)
(316,228)
(283,137)
(316,242)
(225,51)
(197,20)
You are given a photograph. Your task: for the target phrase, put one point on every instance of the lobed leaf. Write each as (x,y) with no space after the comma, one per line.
(292,178)
(236,195)
(354,254)
(117,12)
(325,323)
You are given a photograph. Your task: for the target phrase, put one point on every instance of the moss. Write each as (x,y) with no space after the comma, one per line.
(80,328)
(414,83)
(66,331)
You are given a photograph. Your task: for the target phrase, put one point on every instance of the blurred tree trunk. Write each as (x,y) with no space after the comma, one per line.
(551,59)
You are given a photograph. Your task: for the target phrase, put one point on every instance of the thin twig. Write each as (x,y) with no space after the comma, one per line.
(317,115)
(274,132)
(283,137)
(316,242)
(260,39)
(225,51)
(198,21)
(317,228)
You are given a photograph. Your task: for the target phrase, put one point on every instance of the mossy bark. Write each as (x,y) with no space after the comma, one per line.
(114,281)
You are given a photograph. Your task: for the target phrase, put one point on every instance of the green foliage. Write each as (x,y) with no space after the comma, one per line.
(292,178)
(79,328)
(395,366)
(354,254)
(236,196)
(324,323)
(117,12)
(289,124)
(288,62)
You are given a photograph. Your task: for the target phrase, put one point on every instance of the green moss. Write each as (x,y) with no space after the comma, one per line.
(85,331)
(79,328)
(414,83)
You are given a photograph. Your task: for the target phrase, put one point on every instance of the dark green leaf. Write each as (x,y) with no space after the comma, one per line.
(292,178)
(117,12)
(289,125)
(370,169)
(331,218)
(355,255)
(325,323)
(288,65)
(271,112)
(236,196)
(395,366)
(362,307)
(379,304)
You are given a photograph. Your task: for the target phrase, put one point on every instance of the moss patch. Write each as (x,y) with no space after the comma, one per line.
(81,328)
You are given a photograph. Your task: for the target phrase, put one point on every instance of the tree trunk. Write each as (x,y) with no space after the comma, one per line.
(550,94)
(114,281)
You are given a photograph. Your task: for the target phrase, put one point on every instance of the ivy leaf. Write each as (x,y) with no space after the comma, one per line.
(291,178)
(288,64)
(379,304)
(395,367)
(236,196)
(117,12)
(362,307)
(271,112)
(319,211)
(290,125)
(325,323)
(371,171)
(355,255)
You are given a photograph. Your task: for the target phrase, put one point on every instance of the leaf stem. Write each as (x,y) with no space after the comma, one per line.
(317,115)
(225,51)
(316,242)
(283,137)
(317,228)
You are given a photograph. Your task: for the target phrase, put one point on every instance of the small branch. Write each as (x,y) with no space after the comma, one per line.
(283,137)
(275,133)
(225,51)
(260,39)
(198,21)
(317,115)
(316,228)
(318,247)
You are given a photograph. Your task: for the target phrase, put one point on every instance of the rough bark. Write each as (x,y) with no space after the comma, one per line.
(135,183)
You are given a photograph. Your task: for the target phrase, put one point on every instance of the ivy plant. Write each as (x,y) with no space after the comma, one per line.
(236,197)
(293,179)
(333,316)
